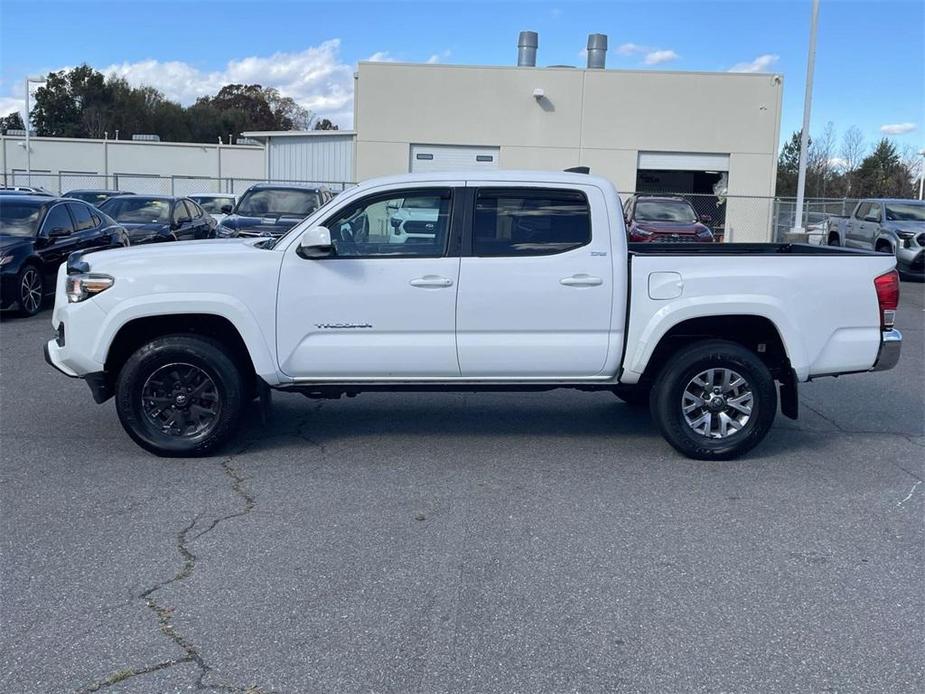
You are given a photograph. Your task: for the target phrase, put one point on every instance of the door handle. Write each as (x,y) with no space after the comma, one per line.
(431,282)
(581,281)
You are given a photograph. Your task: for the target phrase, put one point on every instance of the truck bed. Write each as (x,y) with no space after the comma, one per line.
(790,249)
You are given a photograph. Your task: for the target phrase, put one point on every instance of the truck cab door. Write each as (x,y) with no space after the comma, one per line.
(871,225)
(536,285)
(373,308)
(854,225)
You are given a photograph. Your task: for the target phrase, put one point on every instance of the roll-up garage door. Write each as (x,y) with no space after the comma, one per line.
(452,158)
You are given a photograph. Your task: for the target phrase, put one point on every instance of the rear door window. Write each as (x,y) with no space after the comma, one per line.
(82,218)
(58,218)
(529,221)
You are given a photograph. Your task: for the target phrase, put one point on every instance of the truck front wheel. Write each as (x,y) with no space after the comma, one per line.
(714,400)
(180,395)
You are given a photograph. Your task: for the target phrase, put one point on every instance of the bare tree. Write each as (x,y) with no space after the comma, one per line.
(852,154)
(821,164)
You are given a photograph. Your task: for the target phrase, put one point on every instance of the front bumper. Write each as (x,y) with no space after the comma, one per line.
(910,261)
(890,346)
(99,384)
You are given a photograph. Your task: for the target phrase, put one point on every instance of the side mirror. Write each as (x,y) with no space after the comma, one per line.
(316,243)
(226,209)
(706,218)
(871,218)
(59,233)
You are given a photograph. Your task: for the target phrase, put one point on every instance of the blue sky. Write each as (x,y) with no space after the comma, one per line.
(870,68)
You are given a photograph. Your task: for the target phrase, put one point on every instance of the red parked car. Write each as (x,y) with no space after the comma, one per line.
(665,220)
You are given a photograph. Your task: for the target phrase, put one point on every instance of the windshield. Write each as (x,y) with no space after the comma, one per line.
(296,203)
(211,203)
(19,218)
(905,212)
(665,211)
(134,210)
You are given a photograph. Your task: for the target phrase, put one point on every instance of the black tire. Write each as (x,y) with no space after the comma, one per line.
(634,396)
(215,393)
(31,287)
(678,375)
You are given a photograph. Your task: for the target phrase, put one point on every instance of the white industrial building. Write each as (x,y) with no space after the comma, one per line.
(308,155)
(60,164)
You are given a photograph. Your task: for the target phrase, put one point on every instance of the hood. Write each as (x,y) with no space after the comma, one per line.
(8,243)
(267,225)
(686,228)
(136,258)
(901,225)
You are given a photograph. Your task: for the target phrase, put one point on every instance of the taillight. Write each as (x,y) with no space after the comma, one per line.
(887,287)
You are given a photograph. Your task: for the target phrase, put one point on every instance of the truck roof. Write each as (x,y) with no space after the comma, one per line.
(503,176)
(888,200)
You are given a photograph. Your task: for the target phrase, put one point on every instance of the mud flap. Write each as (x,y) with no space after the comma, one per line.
(265,397)
(789,401)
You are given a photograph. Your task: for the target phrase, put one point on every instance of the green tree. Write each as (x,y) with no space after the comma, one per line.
(12,121)
(325,124)
(883,173)
(788,166)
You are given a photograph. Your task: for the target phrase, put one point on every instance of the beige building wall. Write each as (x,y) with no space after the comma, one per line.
(597,118)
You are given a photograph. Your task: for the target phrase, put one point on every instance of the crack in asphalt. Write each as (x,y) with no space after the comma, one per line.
(165,614)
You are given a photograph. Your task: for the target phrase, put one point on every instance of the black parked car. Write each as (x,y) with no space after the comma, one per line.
(156,218)
(272,210)
(37,233)
(95,196)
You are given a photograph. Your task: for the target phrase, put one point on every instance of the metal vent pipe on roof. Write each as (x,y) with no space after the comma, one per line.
(527,43)
(597,51)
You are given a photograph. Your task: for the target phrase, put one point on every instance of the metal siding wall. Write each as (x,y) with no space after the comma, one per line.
(323,159)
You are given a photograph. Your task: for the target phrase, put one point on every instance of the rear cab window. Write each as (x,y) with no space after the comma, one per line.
(529,221)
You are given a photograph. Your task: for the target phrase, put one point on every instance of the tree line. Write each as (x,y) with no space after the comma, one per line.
(849,168)
(82,102)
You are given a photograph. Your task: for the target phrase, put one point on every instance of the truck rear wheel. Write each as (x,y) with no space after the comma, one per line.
(714,400)
(180,395)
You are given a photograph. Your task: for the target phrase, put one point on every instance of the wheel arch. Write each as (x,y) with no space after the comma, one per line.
(755,332)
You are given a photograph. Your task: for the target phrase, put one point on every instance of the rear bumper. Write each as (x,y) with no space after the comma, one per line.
(890,346)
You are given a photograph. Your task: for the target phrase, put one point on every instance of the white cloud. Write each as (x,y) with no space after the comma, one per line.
(898,128)
(438,57)
(838,163)
(381,57)
(659,57)
(631,49)
(759,64)
(653,56)
(8,104)
(316,78)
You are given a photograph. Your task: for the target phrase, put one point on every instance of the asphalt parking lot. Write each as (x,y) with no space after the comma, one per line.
(548,542)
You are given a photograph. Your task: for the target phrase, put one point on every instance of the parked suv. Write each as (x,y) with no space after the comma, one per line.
(664,219)
(885,225)
(267,209)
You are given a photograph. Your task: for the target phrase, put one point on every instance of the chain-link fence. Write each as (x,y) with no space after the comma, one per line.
(733,218)
(148,184)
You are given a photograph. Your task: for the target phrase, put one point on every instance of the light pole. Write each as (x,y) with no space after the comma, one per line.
(807,107)
(921,173)
(28,123)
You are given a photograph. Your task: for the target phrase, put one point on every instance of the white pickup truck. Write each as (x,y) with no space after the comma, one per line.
(526,283)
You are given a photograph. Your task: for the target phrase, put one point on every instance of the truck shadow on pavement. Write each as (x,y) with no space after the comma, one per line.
(556,420)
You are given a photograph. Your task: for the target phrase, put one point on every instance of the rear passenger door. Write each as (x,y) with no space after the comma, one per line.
(87,233)
(535,283)
(853,235)
(182,222)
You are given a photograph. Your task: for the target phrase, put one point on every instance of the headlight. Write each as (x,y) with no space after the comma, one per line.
(904,235)
(4,259)
(80,287)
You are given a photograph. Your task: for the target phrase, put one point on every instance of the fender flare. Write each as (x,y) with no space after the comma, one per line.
(262,353)
(712,306)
